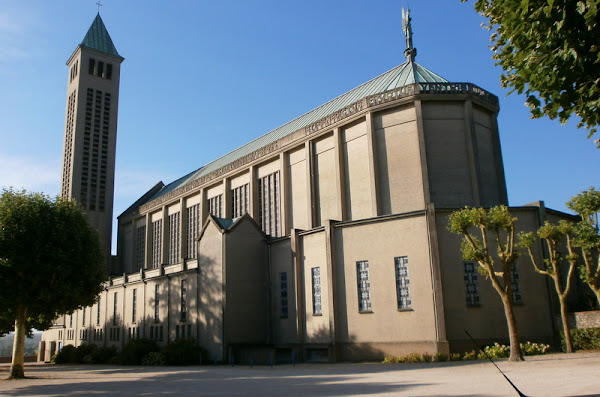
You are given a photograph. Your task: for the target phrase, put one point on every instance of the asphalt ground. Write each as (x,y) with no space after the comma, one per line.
(576,374)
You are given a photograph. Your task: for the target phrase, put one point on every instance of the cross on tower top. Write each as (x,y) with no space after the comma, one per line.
(410,52)
(99,5)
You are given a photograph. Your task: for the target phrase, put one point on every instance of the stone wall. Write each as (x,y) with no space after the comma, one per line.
(590,319)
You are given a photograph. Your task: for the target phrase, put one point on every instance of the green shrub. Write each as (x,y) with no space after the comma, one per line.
(184,352)
(583,339)
(494,352)
(533,349)
(389,359)
(81,352)
(65,355)
(103,355)
(455,357)
(472,355)
(136,349)
(154,359)
(438,357)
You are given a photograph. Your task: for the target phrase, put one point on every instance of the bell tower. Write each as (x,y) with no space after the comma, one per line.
(90,138)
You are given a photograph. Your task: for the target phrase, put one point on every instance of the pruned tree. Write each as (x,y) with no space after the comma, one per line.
(554,235)
(549,50)
(50,264)
(587,236)
(496,229)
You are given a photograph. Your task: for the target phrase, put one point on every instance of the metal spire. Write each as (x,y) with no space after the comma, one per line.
(410,53)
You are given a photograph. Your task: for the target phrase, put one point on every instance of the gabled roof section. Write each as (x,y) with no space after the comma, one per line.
(145,197)
(400,76)
(98,38)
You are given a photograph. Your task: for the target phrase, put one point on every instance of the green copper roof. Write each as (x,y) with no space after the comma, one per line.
(98,38)
(405,74)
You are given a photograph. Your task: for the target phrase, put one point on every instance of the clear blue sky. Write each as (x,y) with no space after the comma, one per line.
(202,78)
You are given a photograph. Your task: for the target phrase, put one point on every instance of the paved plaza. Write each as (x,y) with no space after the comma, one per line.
(551,375)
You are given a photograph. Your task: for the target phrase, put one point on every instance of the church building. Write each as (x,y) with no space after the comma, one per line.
(324,239)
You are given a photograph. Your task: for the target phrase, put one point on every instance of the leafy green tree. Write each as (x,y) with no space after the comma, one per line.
(496,227)
(554,235)
(550,50)
(587,236)
(50,263)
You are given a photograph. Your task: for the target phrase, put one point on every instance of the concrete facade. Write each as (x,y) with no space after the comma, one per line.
(327,243)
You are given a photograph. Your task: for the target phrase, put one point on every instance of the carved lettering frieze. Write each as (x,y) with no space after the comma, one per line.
(250,157)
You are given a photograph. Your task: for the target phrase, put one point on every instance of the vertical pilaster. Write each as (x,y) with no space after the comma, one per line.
(253,193)
(227,198)
(373,167)
(165,236)
(310,189)
(436,281)
(132,257)
(148,243)
(331,291)
(422,153)
(298,269)
(472,152)
(340,175)
(183,221)
(203,206)
(284,162)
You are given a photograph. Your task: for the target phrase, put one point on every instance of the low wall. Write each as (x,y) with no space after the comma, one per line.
(28,359)
(590,319)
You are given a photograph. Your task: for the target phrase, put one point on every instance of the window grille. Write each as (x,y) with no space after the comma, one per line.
(364,286)
(156,243)
(215,206)
(316,289)
(193,229)
(268,204)
(174,237)
(239,201)
(515,286)
(402,282)
(283,293)
(472,283)
(140,247)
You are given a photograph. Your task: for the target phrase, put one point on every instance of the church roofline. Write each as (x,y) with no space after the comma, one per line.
(320,118)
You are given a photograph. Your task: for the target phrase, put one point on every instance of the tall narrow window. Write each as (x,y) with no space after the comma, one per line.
(283,293)
(92,66)
(515,286)
(402,282)
(98,313)
(156,243)
(471,283)
(316,289)
(239,201)
(156,304)
(193,229)
(140,247)
(134,306)
(268,204)
(100,70)
(183,302)
(109,68)
(70,321)
(83,317)
(115,308)
(215,206)
(174,233)
(364,286)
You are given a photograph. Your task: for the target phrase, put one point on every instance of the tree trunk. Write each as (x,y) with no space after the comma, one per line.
(597,292)
(18,354)
(565,324)
(513,333)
